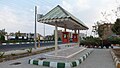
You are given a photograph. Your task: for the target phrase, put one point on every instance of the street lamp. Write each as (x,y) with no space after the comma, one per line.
(35,27)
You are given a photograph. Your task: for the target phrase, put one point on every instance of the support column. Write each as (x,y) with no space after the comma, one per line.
(78,38)
(75,31)
(56,39)
(65,27)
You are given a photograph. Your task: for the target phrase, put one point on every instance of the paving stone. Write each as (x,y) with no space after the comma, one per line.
(100,58)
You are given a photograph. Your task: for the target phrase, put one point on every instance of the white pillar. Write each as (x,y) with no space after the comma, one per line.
(56,39)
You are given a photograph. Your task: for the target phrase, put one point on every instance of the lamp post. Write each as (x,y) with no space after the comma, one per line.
(35,27)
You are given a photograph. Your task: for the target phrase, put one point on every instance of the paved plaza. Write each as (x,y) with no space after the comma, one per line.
(99,58)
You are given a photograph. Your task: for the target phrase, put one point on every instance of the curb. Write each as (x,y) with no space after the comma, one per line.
(117,62)
(79,61)
(50,64)
(60,64)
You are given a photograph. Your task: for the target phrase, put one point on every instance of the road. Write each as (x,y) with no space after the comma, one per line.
(4,48)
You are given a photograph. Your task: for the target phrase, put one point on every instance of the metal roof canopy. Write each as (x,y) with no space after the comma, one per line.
(61,17)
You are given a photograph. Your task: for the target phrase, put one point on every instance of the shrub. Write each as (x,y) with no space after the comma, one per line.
(29,50)
(13,54)
(90,41)
(2,54)
(114,40)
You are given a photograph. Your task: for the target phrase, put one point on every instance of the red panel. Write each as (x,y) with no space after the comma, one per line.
(65,37)
(75,37)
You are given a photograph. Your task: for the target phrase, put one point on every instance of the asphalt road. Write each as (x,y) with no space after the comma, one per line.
(4,48)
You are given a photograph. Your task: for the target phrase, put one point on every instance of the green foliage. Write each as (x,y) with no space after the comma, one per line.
(114,40)
(29,50)
(2,54)
(2,32)
(59,39)
(13,54)
(90,40)
(16,37)
(22,37)
(2,38)
(116,27)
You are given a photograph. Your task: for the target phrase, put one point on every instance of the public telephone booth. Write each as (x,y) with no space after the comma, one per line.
(65,37)
(75,37)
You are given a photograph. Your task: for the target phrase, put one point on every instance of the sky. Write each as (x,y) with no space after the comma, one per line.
(18,15)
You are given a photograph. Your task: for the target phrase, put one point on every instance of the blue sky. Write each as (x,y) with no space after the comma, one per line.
(18,15)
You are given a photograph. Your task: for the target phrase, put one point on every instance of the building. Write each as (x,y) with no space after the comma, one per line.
(104,30)
(59,32)
(28,36)
(49,37)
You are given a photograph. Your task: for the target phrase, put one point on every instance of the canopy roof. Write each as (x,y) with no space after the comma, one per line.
(62,17)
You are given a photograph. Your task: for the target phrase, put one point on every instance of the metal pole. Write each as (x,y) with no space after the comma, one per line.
(56,40)
(86,33)
(65,27)
(44,32)
(35,26)
(78,38)
(75,31)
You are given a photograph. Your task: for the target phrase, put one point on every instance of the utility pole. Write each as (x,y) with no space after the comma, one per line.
(35,26)
(44,32)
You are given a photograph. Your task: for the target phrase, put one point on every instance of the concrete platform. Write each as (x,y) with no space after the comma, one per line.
(66,53)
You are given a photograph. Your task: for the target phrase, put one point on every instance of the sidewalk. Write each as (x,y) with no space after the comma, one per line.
(100,58)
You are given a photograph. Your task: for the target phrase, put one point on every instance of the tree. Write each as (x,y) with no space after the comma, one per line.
(100,31)
(59,39)
(2,32)
(22,37)
(16,37)
(116,27)
(2,35)
(18,33)
(2,38)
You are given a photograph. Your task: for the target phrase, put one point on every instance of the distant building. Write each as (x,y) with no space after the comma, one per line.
(49,37)
(29,36)
(59,34)
(105,30)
